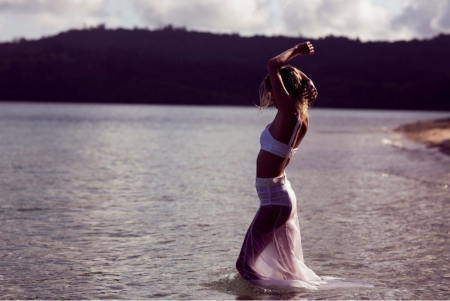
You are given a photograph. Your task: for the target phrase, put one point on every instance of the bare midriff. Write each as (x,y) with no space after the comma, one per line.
(269,165)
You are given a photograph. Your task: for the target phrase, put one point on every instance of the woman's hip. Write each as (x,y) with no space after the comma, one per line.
(275,191)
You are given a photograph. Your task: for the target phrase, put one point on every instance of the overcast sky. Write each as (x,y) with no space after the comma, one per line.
(364,19)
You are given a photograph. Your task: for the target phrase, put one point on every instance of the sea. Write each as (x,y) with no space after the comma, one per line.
(153,202)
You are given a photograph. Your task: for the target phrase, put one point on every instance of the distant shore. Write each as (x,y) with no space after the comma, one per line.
(434,133)
(142,66)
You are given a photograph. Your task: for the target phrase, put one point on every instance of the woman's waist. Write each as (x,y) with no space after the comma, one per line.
(274,191)
(269,165)
(275,181)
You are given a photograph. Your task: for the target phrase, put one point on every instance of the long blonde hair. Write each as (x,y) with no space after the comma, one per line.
(293,83)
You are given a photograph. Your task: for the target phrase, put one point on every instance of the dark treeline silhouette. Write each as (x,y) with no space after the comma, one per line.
(175,66)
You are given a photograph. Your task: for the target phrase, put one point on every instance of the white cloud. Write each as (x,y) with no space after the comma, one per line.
(48,6)
(352,18)
(364,19)
(212,15)
(423,18)
(37,18)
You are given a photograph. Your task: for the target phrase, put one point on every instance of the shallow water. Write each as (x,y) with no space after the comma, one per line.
(134,202)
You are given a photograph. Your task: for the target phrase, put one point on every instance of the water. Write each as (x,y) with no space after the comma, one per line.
(134,202)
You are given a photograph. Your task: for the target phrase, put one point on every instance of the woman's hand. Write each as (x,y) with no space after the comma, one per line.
(274,65)
(305,48)
(310,92)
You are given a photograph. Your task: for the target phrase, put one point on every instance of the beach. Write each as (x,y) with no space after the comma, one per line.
(433,133)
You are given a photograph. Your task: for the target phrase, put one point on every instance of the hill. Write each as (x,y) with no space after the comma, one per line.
(175,66)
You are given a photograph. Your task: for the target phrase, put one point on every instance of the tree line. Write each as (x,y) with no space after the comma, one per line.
(175,66)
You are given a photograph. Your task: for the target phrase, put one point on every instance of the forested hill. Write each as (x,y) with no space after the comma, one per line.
(175,66)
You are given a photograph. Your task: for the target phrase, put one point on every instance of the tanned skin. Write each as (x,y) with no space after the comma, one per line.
(269,165)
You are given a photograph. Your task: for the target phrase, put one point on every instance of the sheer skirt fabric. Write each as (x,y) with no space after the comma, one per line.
(271,254)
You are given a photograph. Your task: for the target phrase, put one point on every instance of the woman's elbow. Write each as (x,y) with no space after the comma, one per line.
(273,64)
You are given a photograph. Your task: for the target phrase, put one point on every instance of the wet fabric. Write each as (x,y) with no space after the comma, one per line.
(271,254)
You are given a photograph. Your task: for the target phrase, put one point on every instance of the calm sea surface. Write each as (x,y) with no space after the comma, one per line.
(134,202)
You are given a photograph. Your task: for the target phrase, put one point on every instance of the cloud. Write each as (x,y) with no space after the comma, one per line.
(37,18)
(48,6)
(364,19)
(423,18)
(351,18)
(212,15)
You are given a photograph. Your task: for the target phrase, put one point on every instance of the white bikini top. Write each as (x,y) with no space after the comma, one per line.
(269,144)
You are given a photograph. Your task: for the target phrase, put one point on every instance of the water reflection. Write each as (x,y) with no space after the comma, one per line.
(153,202)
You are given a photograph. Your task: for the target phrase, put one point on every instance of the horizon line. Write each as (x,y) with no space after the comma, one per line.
(170,27)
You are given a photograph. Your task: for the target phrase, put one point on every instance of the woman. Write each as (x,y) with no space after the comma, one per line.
(271,255)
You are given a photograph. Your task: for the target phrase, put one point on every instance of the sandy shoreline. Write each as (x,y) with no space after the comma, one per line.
(434,133)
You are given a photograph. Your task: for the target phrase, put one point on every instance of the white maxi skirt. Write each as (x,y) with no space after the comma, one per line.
(271,255)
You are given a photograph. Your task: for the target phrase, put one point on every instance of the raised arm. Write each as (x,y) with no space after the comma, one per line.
(283,100)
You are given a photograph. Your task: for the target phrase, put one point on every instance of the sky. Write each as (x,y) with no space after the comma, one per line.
(368,20)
